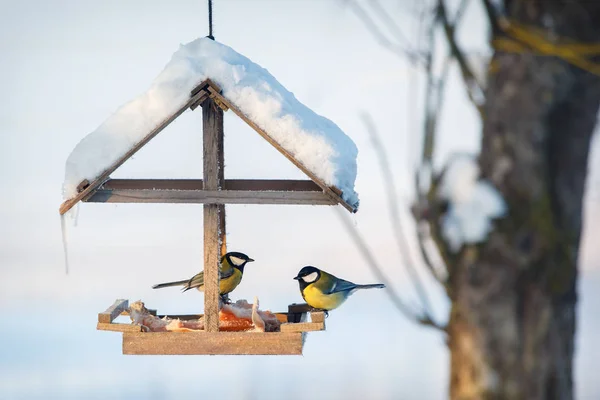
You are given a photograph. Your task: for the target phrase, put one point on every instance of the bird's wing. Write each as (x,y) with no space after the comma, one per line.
(196,281)
(340,285)
(223,274)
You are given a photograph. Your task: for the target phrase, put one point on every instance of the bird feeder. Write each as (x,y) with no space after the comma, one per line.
(214,192)
(288,341)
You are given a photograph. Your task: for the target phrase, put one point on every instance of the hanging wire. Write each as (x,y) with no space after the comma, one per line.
(210,26)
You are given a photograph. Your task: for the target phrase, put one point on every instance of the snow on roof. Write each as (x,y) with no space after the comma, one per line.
(473,203)
(313,140)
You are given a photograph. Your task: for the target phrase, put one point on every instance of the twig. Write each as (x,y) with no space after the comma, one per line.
(389,22)
(492,17)
(380,36)
(434,99)
(372,263)
(429,131)
(425,239)
(468,77)
(393,207)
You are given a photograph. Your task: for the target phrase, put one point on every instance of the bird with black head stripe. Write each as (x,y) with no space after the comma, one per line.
(323,291)
(231,271)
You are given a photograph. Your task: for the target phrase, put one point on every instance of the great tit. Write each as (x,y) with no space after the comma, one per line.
(324,291)
(231,271)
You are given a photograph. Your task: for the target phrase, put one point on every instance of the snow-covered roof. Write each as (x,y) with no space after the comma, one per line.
(314,141)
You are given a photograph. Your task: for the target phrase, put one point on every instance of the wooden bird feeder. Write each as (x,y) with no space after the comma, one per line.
(289,341)
(214,192)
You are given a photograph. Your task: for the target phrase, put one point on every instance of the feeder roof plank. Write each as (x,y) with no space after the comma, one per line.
(68,204)
(332,192)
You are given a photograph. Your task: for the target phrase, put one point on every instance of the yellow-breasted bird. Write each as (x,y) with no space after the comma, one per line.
(324,291)
(231,271)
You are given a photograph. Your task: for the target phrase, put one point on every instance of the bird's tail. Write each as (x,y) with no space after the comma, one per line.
(371,286)
(168,284)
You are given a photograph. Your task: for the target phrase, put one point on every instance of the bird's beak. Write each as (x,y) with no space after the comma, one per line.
(250,259)
(297,277)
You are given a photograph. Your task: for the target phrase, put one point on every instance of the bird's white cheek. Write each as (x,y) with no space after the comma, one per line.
(236,260)
(310,277)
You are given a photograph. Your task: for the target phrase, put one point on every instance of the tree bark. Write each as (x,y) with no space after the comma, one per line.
(512,323)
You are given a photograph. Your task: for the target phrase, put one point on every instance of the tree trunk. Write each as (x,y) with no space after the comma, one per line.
(512,323)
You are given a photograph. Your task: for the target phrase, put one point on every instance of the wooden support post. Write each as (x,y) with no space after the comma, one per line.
(214,215)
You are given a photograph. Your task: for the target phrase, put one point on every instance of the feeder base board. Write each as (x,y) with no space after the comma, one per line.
(213,343)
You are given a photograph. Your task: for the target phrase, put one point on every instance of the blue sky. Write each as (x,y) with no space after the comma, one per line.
(68,64)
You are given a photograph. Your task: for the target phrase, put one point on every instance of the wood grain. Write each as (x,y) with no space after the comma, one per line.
(280,185)
(317,316)
(118,327)
(213,343)
(303,327)
(212,127)
(113,311)
(209,197)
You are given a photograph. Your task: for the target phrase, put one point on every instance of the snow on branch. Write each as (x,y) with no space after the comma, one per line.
(472,204)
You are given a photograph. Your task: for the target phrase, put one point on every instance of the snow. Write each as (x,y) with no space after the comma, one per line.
(473,204)
(318,143)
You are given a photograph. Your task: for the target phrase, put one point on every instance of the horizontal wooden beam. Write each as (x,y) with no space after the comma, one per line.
(197,184)
(118,327)
(113,311)
(210,197)
(303,327)
(232,343)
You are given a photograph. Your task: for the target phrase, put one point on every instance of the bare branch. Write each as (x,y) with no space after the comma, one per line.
(389,22)
(380,36)
(492,16)
(430,112)
(377,271)
(435,92)
(428,246)
(474,88)
(393,206)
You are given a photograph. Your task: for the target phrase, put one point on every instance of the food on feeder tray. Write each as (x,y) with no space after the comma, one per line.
(140,315)
(238,316)
(247,317)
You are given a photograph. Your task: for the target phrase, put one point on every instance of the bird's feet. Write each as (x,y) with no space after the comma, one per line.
(225,299)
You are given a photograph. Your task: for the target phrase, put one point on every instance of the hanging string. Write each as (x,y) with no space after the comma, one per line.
(210,29)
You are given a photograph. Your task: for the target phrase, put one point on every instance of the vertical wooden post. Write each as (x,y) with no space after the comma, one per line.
(214,215)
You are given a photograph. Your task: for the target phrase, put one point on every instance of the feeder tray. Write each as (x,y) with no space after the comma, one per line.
(288,341)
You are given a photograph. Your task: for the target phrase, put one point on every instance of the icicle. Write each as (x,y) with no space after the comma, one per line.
(63,226)
(70,216)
